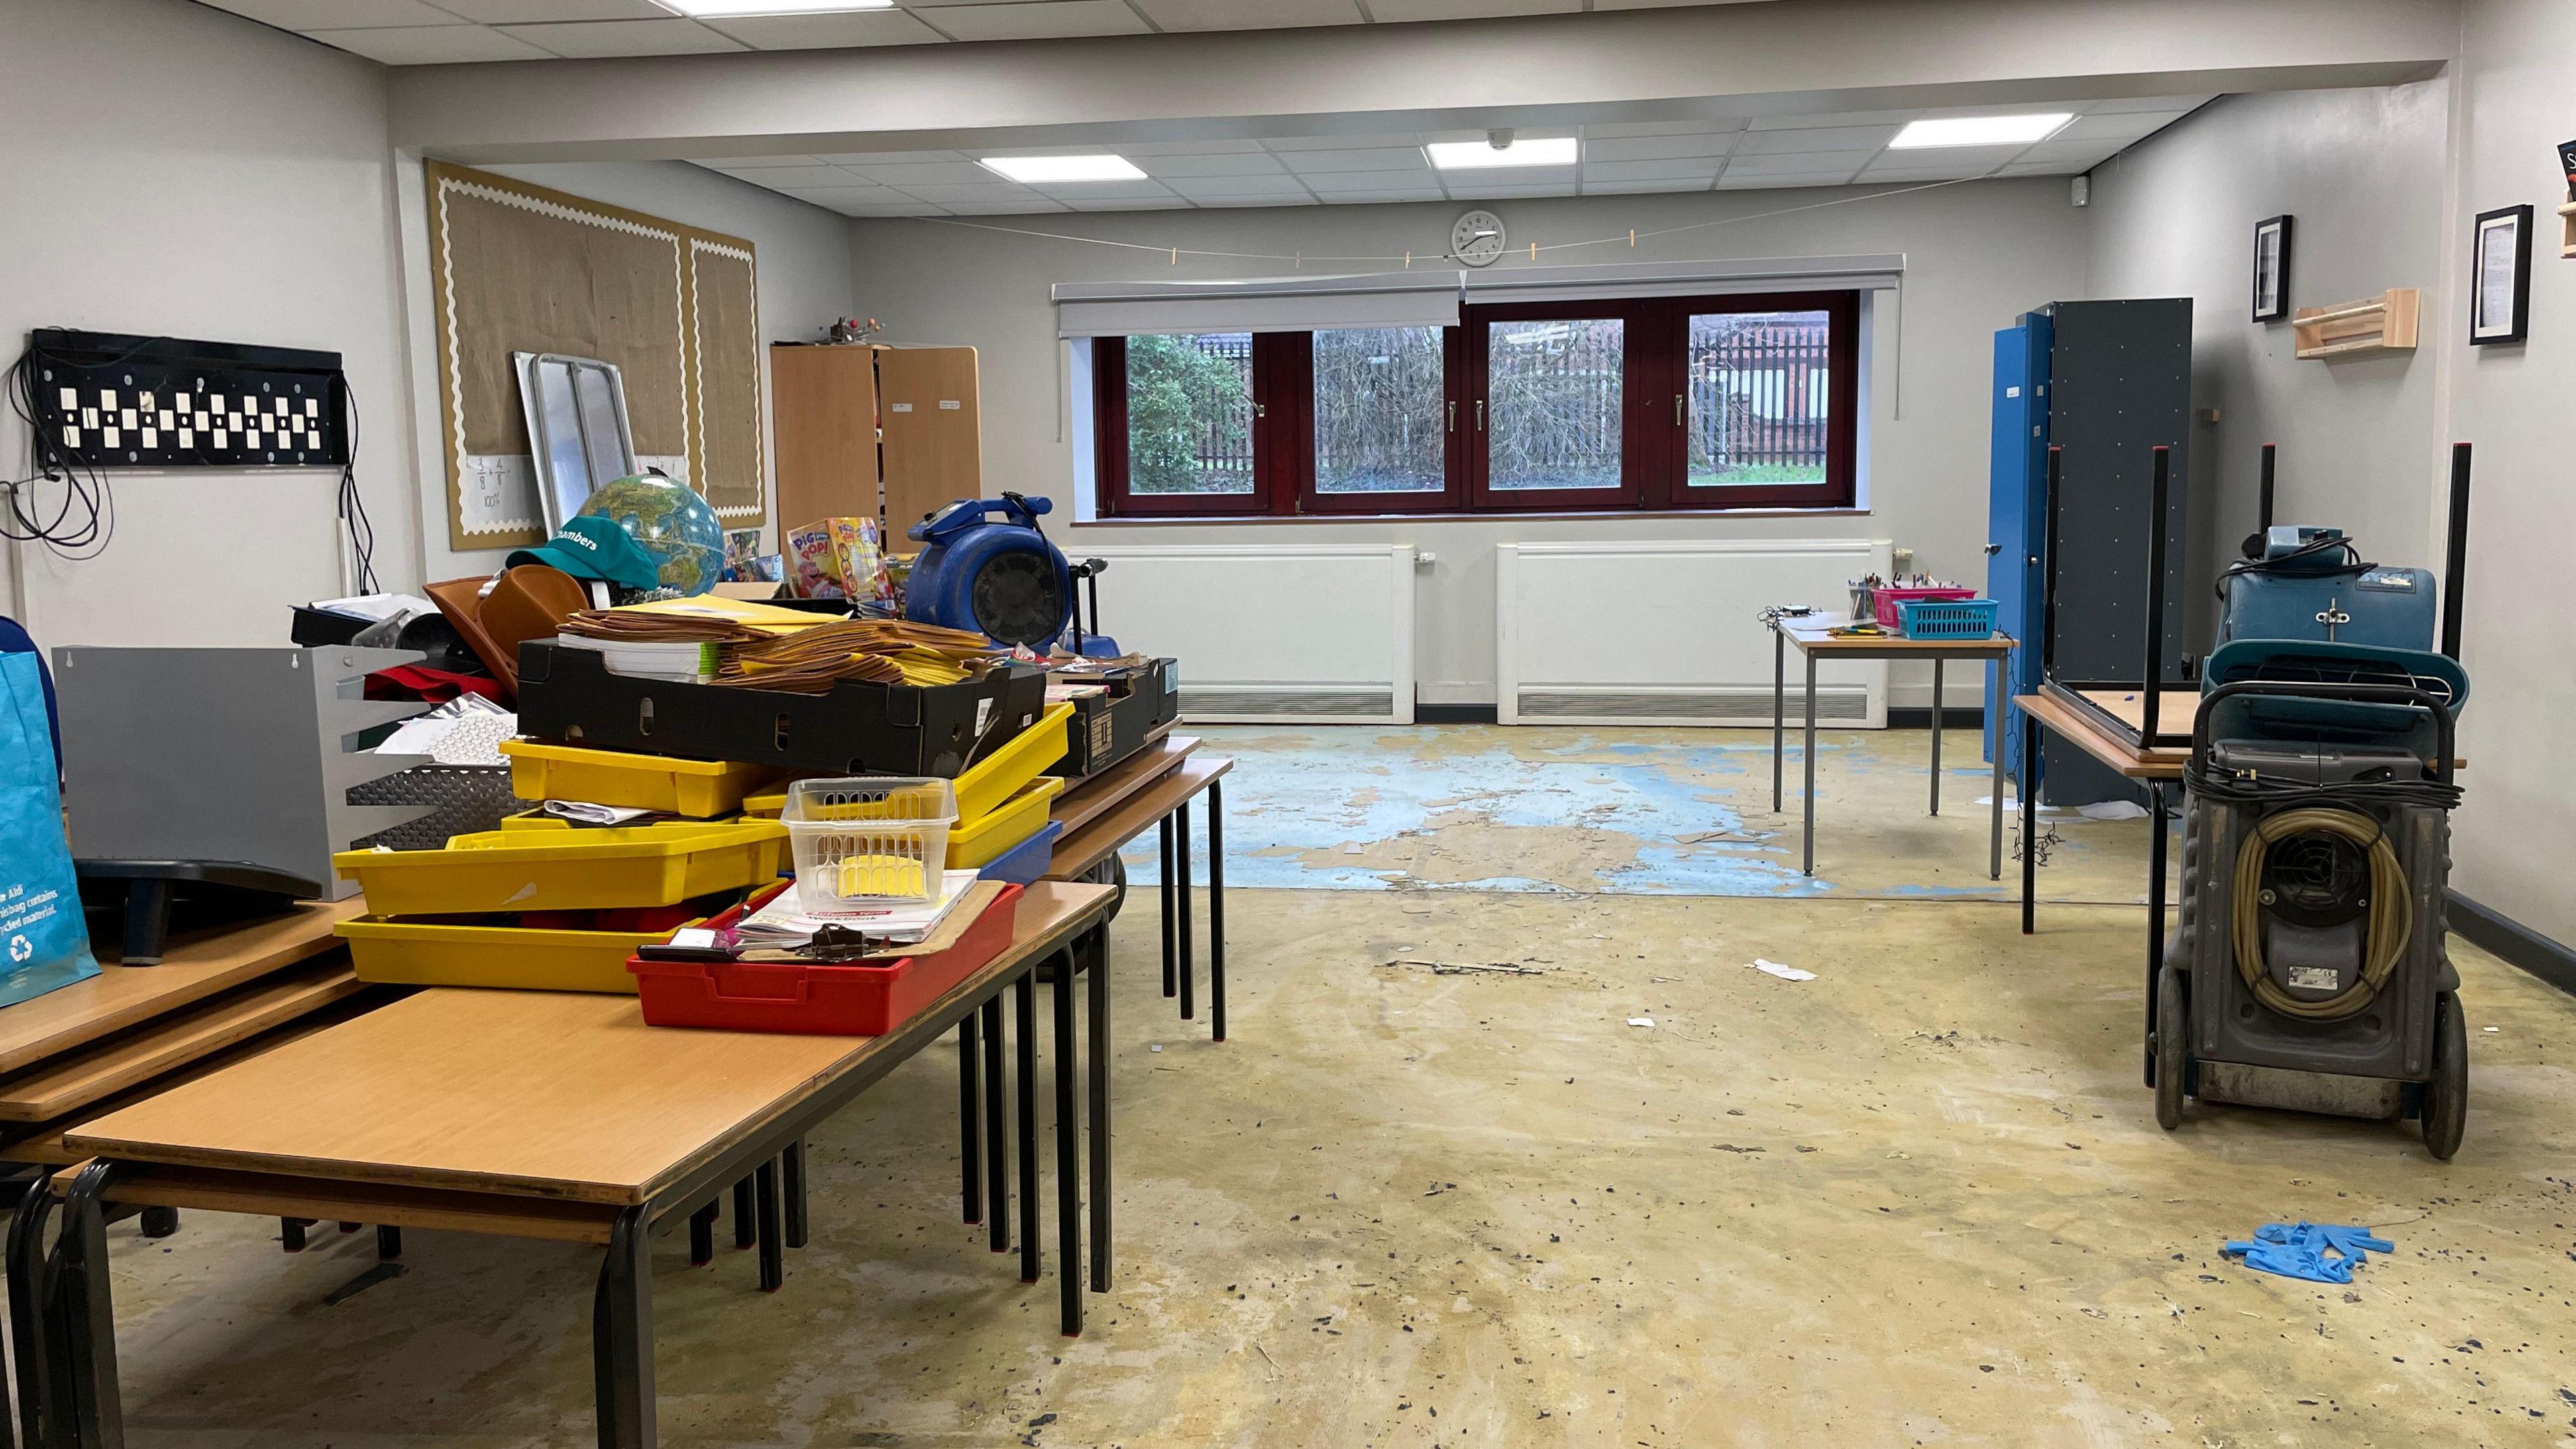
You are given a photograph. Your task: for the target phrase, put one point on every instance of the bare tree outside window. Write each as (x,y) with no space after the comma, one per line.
(1189,413)
(1759,384)
(1556,389)
(1379,410)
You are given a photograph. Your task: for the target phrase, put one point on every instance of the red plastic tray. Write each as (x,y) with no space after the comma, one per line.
(1884,600)
(815,999)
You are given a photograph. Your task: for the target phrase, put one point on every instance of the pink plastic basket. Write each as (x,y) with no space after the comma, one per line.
(1887,599)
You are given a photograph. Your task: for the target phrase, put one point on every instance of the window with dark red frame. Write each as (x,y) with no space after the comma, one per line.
(1665,403)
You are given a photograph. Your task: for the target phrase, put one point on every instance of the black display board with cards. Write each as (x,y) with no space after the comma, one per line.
(107,400)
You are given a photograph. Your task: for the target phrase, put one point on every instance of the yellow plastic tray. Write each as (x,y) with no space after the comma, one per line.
(571,870)
(992,782)
(999,775)
(540,770)
(972,847)
(422,953)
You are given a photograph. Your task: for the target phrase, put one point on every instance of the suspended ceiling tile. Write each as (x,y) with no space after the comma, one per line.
(1029,207)
(893,158)
(1912,175)
(930,173)
(1200,188)
(1817,139)
(1833,118)
(1239,163)
(1250,14)
(339,14)
(1134,149)
(1168,203)
(959,194)
(910,208)
(1804,163)
(1105,191)
(1300,199)
(1653,148)
(1503,193)
(430,44)
(838,196)
(1561,178)
(759,163)
(827,32)
(1957,160)
(521,12)
(1391,12)
(1703,168)
(2045,168)
(816,174)
(1343,143)
(1733,182)
(590,39)
(2089,152)
(2118,126)
(1718,125)
(1378,184)
(1390,158)
(1592,187)
(2172,105)
(1034,19)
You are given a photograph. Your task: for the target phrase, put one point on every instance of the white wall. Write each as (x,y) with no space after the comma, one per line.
(1977,255)
(2362,172)
(802,257)
(2517,832)
(175,170)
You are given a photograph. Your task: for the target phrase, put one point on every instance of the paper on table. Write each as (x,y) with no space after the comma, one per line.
(784,921)
(378,607)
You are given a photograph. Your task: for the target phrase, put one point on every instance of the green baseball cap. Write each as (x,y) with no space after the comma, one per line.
(594,548)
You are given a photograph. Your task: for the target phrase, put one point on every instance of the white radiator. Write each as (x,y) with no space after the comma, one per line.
(1669,633)
(1269,633)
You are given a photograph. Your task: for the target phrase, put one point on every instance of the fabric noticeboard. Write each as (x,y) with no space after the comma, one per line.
(520,268)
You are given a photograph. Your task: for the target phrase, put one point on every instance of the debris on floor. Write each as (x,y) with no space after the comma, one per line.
(1785,973)
(2314,1252)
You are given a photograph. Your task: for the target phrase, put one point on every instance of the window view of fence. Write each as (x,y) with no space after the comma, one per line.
(1189,413)
(1380,411)
(1759,386)
(1555,390)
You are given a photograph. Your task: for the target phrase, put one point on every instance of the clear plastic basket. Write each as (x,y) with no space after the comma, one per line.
(872,840)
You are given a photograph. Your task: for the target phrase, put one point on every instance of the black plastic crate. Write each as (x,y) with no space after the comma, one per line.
(1108,728)
(857,728)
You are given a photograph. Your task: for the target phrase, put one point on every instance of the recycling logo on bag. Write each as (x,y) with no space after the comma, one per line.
(20,948)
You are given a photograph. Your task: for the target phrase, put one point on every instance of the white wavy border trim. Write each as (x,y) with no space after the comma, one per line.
(447,301)
(759,508)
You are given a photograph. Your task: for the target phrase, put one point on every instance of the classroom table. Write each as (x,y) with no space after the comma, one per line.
(1814,639)
(543,1115)
(1162,797)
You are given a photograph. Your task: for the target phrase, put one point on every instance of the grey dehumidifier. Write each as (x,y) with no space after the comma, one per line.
(2309,970)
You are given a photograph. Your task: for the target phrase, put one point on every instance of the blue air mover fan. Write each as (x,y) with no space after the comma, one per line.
(1000,577)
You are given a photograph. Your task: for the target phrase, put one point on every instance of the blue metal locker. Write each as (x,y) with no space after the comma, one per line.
(2016,517)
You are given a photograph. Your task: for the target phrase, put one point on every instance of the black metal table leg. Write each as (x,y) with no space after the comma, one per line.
(1216,907)
(2028,785)
(147,921)
(388,1243)
(746,1220)
(1024,1052)
(997,1160)
(1936,734)
(970,1122)
(1778,705)
(791,1170)
(621,1336)
(1097,1047)
(160,1222)
(2156,847)
(1995,831)
(1811,764)
(87,1317)
(1068,1148)
(772,1233)
(702,1236)
(290,1234)
(1181,904)
(33,1331)
(1171,944)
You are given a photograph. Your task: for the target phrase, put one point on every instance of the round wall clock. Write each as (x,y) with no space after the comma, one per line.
(1477,238)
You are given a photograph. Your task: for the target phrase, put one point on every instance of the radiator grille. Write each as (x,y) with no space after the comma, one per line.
(1847,704)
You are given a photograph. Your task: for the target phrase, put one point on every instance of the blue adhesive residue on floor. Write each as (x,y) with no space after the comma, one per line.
(1355,809)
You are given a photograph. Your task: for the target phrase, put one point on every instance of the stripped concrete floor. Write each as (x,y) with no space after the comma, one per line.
(1444,1187)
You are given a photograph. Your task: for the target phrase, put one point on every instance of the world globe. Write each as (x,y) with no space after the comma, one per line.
(670,522)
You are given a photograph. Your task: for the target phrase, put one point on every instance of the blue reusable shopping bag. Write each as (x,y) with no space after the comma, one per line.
(44,943)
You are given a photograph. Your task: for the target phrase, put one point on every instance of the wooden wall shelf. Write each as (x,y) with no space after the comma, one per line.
(2567,230)
(2385,323)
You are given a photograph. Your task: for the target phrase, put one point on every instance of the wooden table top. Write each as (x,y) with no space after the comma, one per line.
(1085,799)
(1810,637)
(2083,732)
(543,1094)
(1080,850)
(199,963)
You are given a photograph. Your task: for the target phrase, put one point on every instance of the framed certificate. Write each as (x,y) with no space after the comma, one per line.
(2500,285)
(2272,269)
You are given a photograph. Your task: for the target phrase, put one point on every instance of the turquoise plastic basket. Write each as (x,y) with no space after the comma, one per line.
(1947,618)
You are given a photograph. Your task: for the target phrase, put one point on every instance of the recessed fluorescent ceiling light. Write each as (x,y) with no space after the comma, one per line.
(773,7)
(1048,170)
(1979,130)
(1536,151)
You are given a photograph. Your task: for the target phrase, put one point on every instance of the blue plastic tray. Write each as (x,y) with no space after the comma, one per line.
(1947,618)
(1023,863)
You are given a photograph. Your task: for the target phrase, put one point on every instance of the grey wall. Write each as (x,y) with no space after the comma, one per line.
(1977,254)
(2362,171)
(801,255)
(2517,833)
(172,169)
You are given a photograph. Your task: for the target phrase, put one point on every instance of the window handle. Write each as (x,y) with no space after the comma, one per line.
(1261,410)
(1681,413)
(1480,415)
(1453,415)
